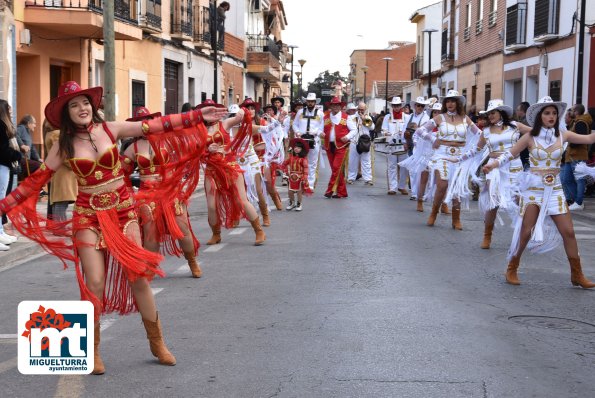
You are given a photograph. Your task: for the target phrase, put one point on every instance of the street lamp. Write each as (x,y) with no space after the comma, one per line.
(301,62)
(365,69)
(291,46)
(429,32)
(299,76)
(386,87)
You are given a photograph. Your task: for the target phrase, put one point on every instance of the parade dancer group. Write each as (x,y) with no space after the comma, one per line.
(118,236)
(461,154)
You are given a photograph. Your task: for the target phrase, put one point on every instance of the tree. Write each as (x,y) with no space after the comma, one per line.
(325,81)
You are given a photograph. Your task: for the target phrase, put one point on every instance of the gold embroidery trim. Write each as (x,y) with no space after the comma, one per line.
(90,212)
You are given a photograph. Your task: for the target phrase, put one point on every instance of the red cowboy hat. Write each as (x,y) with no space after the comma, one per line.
(305,144)
(142,113)
(250,102)
(66,92)
(335,101)
(209,102)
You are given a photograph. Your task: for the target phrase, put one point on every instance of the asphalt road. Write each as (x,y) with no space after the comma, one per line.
(351,297)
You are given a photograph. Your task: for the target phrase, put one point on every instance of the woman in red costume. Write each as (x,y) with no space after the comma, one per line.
(224,180)
(113,270)
(165,219)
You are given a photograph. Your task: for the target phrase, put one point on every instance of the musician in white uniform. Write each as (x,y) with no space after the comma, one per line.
(392,129)
(412,121)
(364,159)
(310,121)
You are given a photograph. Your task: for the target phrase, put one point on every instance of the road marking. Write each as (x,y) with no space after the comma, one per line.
(69,386)
(7,365)
(238,231)
(106,323)
(156,290)
(8,336)
(182,270)
(583,228)
(23,261)
(215,248)
(585,237)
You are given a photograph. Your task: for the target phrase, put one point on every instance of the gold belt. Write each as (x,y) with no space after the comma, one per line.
(548,175)
(103,201)
(102,184)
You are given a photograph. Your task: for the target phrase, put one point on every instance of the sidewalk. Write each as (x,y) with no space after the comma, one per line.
(23,249)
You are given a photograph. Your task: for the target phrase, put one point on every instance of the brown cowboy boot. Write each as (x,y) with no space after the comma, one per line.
(193,264)
(576,274)
(456,218)
(216,238)
(433,214)
(98,367)
(444,208)
(264,210)
(277,200)
(487,236)
(158,348)
(511,276)
(420,206)
(260,236)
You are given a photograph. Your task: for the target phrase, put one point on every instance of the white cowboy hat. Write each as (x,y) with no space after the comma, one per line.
(544,102)
(351,107)
(312,97)
(233,108)
(420,100)
(436,107)
(498,105)
(396,101)
(454,94)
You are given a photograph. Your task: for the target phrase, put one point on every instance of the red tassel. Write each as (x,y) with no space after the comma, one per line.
(241,141)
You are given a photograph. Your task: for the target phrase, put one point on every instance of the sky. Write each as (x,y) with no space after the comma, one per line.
(327,31)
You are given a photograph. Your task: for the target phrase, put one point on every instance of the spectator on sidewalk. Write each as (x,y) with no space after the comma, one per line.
(31,160)
(574,189)
(63,185)
(10,155)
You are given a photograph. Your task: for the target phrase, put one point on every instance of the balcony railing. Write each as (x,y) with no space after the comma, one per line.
(150,16)
(416,67)
(479,26)
(181,18)
(202,26)
(261,43)
(467,33)
(124,10)
(492,18)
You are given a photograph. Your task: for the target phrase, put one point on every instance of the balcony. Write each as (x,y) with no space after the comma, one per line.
(547,20)
(416,67)
(181,20)
(447,60)
(202,27)
(467,33)
(263,58)
(82,18)
(150,16)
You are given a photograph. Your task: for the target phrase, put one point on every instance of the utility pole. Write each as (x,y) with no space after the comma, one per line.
(581,51)
(213,10)
(109,54)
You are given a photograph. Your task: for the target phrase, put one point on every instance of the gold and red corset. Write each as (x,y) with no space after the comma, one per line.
(105,169)
(150,166)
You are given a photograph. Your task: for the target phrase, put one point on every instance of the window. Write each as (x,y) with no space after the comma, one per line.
(203,96)
(493,13)
(138,94)
(445,5)
(547,15)
(191,84)
(555,90)
(516,24)
(444,50)
(479,22)
(467,32)
(487,94)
